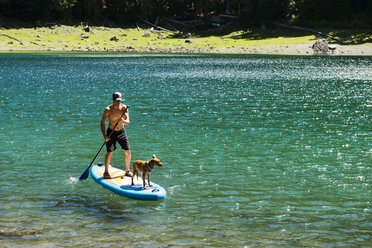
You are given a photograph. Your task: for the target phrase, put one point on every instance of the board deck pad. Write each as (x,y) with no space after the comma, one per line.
(122,185)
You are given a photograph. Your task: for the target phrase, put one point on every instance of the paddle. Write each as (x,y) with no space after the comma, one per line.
(85,175)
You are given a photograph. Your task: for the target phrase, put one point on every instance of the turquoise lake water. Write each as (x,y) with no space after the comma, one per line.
(259,151)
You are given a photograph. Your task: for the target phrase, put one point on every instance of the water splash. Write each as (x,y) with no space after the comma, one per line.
(72,180)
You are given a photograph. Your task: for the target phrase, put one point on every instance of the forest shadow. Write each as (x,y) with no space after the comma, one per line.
(347,36)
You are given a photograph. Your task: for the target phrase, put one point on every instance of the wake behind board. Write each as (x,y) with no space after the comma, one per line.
(123,186)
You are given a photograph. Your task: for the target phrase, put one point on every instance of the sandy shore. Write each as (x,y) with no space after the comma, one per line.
(305,49)
(99,39)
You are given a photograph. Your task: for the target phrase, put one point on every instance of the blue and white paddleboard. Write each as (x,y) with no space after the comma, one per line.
(123,185)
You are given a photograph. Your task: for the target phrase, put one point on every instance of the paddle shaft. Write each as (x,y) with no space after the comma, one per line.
(86,172)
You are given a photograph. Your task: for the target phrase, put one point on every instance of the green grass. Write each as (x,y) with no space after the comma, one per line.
(68,38)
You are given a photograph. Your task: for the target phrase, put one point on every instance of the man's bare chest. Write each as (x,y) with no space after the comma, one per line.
(115,113)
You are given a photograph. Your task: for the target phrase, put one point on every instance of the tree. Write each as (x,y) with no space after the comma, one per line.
(253,13)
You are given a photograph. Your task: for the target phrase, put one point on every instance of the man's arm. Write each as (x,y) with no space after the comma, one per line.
(103,123)
(125,118)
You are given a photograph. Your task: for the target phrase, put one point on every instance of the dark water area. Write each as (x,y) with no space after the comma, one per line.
(259,151)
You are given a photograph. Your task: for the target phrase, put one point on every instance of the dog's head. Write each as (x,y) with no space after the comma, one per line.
(155,161)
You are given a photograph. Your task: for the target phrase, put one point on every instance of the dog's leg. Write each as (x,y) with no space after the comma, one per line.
(144,180)
(134,167)
(148,179)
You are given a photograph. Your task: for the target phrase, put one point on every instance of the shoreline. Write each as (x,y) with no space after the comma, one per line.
(355,51)
(360,51)
(148,41)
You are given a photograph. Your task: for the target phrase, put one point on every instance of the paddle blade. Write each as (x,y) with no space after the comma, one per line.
(85,175)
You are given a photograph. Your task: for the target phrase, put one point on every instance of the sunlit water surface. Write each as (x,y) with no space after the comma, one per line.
(259,151)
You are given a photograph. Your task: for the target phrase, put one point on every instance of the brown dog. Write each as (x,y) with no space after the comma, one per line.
(145,167)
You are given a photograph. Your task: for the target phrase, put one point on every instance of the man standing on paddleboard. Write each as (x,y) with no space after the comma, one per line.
(113,113)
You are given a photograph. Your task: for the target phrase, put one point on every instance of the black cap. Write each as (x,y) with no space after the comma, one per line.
(117,96)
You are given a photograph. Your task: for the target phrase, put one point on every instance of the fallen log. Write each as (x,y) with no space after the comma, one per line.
(157,21)
(228,16)
(12,38)
(309,30)
(34,43)
(156,26)
(175,21)
(152,30)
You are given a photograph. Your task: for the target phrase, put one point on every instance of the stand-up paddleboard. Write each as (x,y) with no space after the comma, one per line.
(123,185)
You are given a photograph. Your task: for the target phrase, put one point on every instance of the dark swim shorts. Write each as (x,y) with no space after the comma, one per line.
(119,136)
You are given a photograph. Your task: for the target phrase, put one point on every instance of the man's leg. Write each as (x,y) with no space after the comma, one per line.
(127,159)
(107,160)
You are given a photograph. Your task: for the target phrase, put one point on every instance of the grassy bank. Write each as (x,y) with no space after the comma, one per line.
(101,39)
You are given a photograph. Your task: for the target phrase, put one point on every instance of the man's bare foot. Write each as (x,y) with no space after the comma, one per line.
(106,175)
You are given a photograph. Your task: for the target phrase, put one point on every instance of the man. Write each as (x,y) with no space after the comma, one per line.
(113,113)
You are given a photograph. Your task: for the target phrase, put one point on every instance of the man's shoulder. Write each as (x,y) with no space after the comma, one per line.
(108,108)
